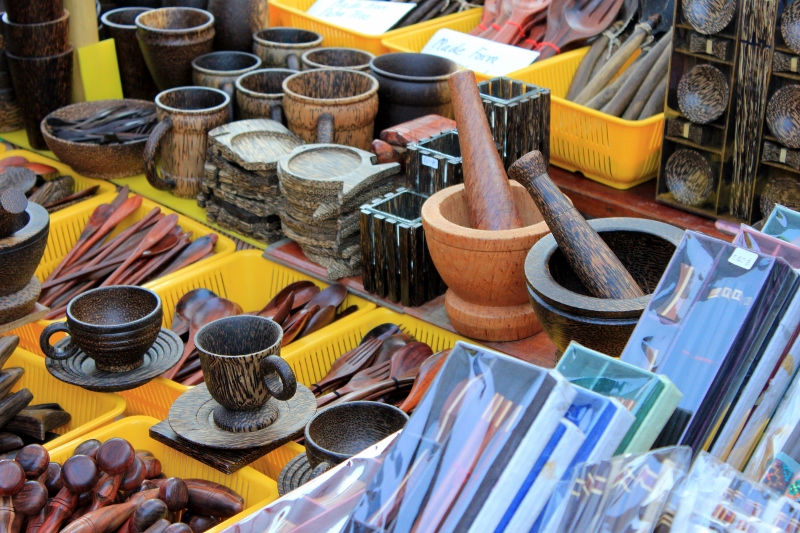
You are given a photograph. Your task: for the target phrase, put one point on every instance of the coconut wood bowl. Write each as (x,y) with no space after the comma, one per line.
(783,115)
(709,16)
(703,94)
(689,177)
(790,26)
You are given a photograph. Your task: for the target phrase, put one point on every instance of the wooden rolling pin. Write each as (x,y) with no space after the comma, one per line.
(489,198)
(12,204)
(588,255)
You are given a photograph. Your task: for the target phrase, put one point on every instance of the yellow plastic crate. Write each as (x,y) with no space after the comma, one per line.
(66,227)
(256,489)
(90,410)
(292,13)
(616,152)
(81,182)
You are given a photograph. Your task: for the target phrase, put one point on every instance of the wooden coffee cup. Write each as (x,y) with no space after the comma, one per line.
(137,82)
(220,70)
(186,115)
(115,326)
(282,47)
(170,38)
(240,356)
(37,40)
(259,94)
(348,58)
(328,105)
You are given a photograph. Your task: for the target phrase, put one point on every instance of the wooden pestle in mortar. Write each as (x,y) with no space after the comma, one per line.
(489,199)
(587,254)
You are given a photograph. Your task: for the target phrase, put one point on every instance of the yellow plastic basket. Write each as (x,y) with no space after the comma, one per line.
(81,182)
(89,410)
(256,489)
(292,13)
(66,227)
(616,152)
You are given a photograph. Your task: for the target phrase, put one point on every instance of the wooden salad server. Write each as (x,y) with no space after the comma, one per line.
(588,255)
(427,372)
(524,11)
(569,21)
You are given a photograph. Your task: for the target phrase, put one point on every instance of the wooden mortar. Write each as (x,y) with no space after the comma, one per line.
(484,270)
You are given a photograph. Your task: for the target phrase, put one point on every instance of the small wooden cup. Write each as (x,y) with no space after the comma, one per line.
(282,47)
(220,70)
(34,11)
(37,40)
(347,58)
(259,94)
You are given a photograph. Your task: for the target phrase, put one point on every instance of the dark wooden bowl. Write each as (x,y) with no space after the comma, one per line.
(709,16)
(781,188)
(783,115)
(108,161)
(565,307)
(689,177)
(339,432)
(703,94)
(790,26)
(21,252)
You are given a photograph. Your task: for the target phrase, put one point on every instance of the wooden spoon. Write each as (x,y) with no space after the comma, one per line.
(187,306)
(574,20)
(150,265)
(523,12)
(349,364)
(303,296)
(428,371)
(391,345)
(322,318)
(118,215)
(362,379)
(210,310)
(298,321)
(158,232)
(96,220)
(280,313)
(297,286)
(13,161)
(333,296)
(193,253)
(381,332)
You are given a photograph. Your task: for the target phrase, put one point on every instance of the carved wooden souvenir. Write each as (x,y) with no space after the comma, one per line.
(703,94)
(435,164)
(783,115)
(709,16)
(777,153)
(690,177)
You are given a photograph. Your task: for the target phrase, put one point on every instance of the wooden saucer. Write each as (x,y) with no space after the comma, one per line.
(81,370)
(192,418)
(297,472)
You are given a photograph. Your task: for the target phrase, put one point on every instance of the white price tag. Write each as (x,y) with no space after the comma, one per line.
(429,161)
(480,55)
(743,258)
(364,16)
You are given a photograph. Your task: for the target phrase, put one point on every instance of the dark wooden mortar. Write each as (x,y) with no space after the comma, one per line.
(21,251)
(565,307)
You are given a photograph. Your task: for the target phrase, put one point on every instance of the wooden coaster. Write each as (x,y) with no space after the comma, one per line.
(192,418)
(297,472)
(17,305)
(80,370)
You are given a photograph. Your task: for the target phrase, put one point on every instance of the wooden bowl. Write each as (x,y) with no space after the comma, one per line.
(565,307)
(689,177)
(781,188)
(703,94)
(108,161)
(709,16)
(484,270)
(783,115)
(790,26)
(339,432)
(21,252)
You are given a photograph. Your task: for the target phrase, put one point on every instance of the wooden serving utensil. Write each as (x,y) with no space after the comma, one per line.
(12,479)
(13,161)
(362,379)
(186,307)
(96,221)
(295,324)
(427,372)
(193,253)
(279,310)
(588,255)
(72,197)
(114,457)
(297,286)
(333,296)
(79,474)
(142,273)
(322,318)
(349,364)
(523,12)
(157,233)
(391,345)
(569,21)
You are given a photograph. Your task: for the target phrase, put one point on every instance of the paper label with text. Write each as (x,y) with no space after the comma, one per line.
(478,54)
(429,161)
(743,258)
(364,16)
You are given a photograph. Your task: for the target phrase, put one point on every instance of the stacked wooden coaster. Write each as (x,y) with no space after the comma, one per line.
(323,186)
(240,190)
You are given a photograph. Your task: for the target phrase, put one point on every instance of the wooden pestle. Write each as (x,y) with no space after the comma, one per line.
(588,255)
(53,481)
(29,500)
(178,528)
(80,475)
(108,519)
(88,448)
(34,460)
(200,523)
(35,522)
(158,527)
(152,466)
(12,204)
(114,457)
(133,476)
(174,492)
(145,516)
(213,487)
(490,201)
(12,479)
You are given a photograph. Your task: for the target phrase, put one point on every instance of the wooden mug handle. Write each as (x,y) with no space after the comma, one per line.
(293,62)
(59,354)
(150,154)
(325,129)
(276,113)
(274,364)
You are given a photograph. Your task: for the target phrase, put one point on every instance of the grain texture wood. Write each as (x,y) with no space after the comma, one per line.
(594,262)
(256,145)
(649,85)
(574,20)
(37,422)
(584,73)
(488,192)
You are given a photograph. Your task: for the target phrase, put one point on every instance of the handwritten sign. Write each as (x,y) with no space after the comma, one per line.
(364,16)
(480,55)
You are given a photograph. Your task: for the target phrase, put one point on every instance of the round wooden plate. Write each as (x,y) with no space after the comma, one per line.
(297,472)
(81,370)
(192,418)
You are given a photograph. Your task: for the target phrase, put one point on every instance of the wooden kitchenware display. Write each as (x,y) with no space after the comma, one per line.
(41,183)
(323,186)
(241,189)
(730,102)
(39,57)
(348,58)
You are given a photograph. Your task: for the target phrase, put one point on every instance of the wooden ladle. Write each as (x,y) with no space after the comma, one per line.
(574,20)
(187,306)
(428,371)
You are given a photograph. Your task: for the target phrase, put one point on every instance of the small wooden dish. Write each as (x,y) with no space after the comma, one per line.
(709,16)
(689,177)
(783,115)
(703,94)
(790,26)
(109,161)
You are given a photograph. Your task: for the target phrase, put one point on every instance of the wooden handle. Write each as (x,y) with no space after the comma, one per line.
(325,129)
(276,113)
(587,66)
(588,255)
(109,519)
(275,365)
(292,62)
(12,203)
(151,154)
(212,501)
(654,77)
(489,197)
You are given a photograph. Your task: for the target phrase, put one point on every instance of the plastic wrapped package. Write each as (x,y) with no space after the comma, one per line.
(717,497)
(485,415)
(784,224)
(708,322)
(626,493)
(752,239)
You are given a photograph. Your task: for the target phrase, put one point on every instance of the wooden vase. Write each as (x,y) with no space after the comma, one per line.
(484,270)
(236,21)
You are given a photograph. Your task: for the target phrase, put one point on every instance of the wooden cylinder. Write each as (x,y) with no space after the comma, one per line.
(12,204)
(588,255)
(489,198)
